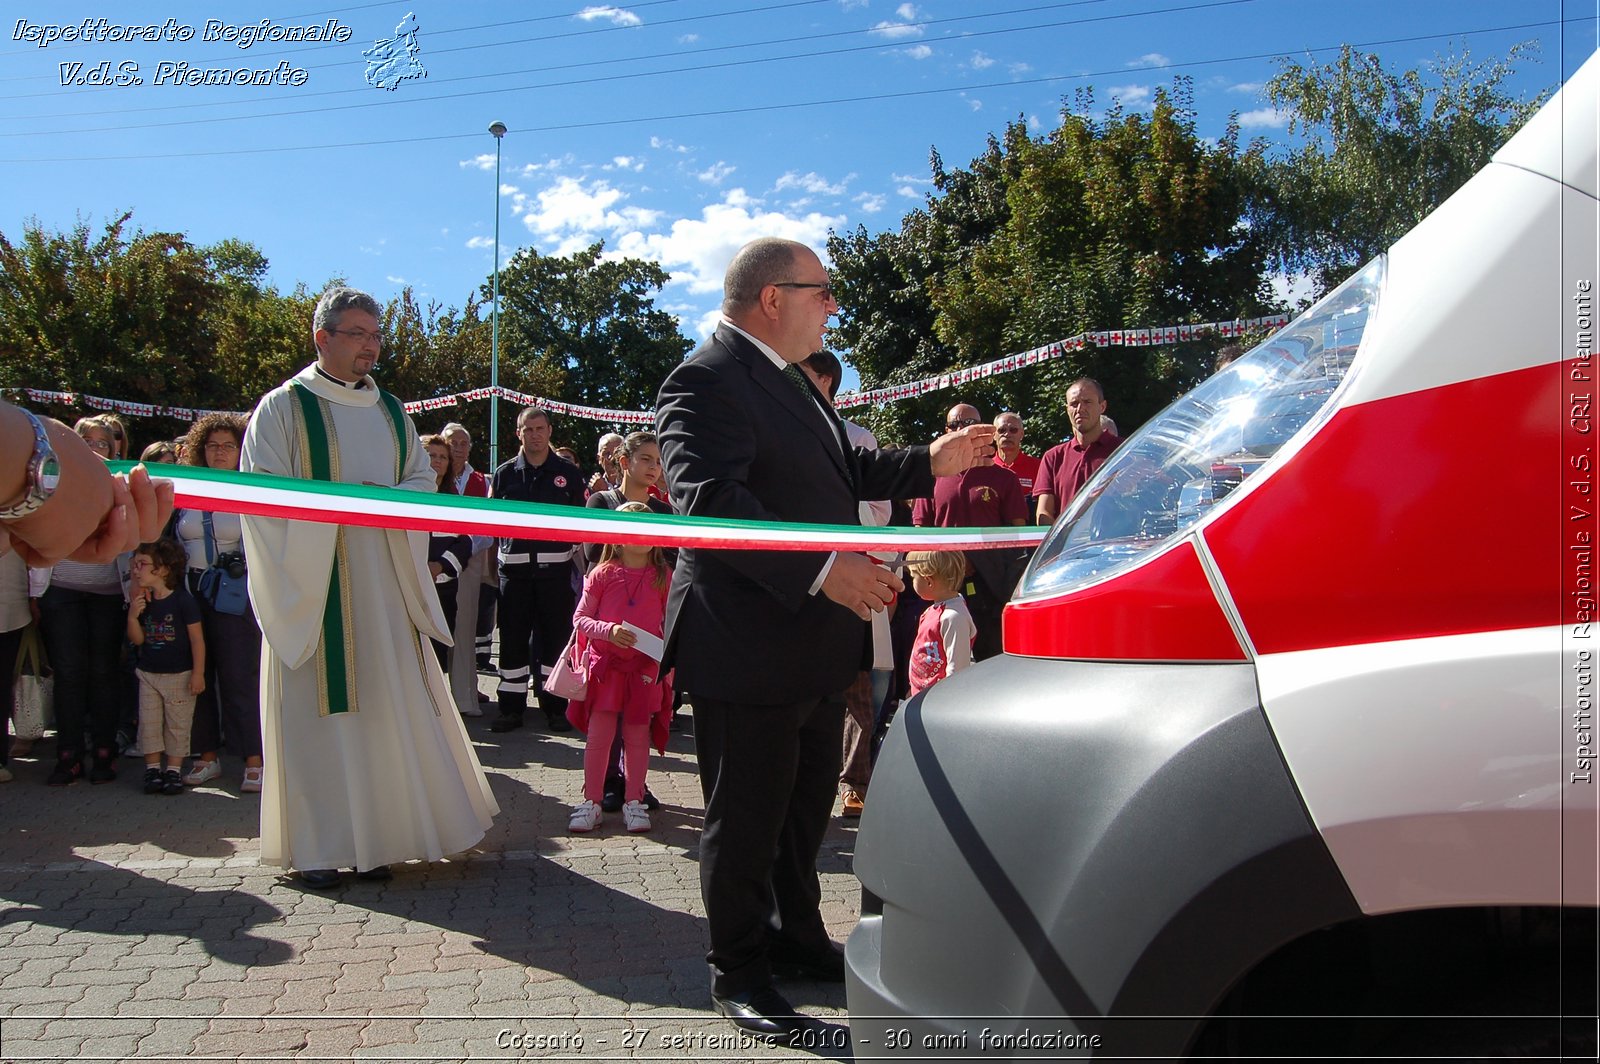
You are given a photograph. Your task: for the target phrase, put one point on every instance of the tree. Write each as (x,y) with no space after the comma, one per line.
(1125,220)
(1381,151)
(584,328)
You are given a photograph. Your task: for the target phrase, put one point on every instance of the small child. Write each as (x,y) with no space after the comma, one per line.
(628,585)
(164,623)
(945,632)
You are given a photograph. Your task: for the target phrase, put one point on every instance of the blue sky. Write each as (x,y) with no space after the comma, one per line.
(673,129)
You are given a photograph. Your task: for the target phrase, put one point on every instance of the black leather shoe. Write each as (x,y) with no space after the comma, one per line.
(611,801)
(823,966)
(320,878)
(558,722)
(762,1012)
(505,724)
(376,874)
(651,802)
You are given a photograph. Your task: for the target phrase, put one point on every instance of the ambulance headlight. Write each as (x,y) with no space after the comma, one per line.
(1207,447)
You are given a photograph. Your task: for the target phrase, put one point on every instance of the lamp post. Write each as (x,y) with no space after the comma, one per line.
(499,130)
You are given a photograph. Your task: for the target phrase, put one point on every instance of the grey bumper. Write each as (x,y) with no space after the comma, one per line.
(1064,858)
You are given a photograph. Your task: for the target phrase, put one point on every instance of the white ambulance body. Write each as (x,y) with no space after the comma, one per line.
(1296,713)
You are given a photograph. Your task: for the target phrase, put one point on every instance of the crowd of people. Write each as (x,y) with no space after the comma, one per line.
(321,656)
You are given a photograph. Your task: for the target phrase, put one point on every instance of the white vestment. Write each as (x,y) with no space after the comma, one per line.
(394,778)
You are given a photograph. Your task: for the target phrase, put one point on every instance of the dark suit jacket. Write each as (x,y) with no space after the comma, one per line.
(739,441)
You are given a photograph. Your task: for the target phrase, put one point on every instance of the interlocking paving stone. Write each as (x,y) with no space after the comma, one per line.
(148,930)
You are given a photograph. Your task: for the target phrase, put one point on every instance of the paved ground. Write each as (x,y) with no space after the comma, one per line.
(135,927)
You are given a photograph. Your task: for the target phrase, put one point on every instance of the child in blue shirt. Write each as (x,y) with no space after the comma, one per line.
(164,623)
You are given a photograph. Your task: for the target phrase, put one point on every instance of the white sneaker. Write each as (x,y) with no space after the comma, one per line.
(586,817)
(635,816)
(253,777)
(203,772)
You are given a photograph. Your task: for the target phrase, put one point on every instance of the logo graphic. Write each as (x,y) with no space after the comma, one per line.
(393,61)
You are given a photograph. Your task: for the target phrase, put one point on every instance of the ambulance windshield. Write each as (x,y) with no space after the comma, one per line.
(1191,457)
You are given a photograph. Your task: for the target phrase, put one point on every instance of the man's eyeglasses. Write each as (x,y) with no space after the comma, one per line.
(961,423)
(360,336)
(826,289)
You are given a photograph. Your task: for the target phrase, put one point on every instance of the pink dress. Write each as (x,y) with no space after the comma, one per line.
(622,680)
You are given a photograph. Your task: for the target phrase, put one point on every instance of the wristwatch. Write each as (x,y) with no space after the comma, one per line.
(39,479)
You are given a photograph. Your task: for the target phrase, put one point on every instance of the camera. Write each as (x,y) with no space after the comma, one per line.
(231,562)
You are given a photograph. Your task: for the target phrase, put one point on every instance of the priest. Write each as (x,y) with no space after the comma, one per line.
(368,763)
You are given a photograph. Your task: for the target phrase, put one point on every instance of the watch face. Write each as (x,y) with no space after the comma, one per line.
(49,473)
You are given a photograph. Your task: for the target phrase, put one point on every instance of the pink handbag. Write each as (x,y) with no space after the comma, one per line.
(568,679)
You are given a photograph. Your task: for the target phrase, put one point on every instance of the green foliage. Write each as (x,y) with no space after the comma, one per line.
(1381,150)
(1128,219)
(584,328)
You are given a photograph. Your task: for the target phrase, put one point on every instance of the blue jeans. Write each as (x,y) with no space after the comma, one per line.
(83,635)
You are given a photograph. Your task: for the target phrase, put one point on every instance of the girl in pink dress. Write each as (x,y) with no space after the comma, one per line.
(627,591)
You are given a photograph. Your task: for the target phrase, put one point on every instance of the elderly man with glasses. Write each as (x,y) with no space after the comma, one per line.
(367,761)
(767,641)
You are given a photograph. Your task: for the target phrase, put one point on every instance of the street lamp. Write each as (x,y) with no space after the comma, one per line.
(499,130)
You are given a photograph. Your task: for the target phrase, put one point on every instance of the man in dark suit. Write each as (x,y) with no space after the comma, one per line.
(767,641)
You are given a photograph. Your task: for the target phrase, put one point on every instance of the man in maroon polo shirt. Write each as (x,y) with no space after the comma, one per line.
(981,497)
(1068,466)
(1008,454)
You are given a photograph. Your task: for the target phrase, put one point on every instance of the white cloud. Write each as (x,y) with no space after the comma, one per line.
(508,190)
(811,182)
(663,144)
(1016,70)
(615,15)
(697,250)
(716,173)
(479,242)
(975,104)
(392,279)
(1130,95)
(576,215)
(911,179)
(979,61)
(1034,125)
(918,51)
(1264,118)
(1150,59)
(1251,87)
(908,192)
(479,162)
(907,14)
(688,38)
(624,162)
(871,202)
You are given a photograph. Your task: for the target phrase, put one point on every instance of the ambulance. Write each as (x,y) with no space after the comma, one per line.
(1291,751)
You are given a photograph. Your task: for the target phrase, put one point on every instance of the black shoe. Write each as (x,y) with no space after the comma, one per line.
(376,874)
(172,782)
(152,780)
(558,722)
(651,802)
(68,770)
(484,664)
(104,769)
(611,801)
(762,1012)
(822,966)
(676,725)
(320,878)
(505,724)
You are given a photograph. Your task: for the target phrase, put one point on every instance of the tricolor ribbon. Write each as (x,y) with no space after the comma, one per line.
(366,505)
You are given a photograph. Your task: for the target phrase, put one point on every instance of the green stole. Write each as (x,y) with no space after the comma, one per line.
(336,667)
